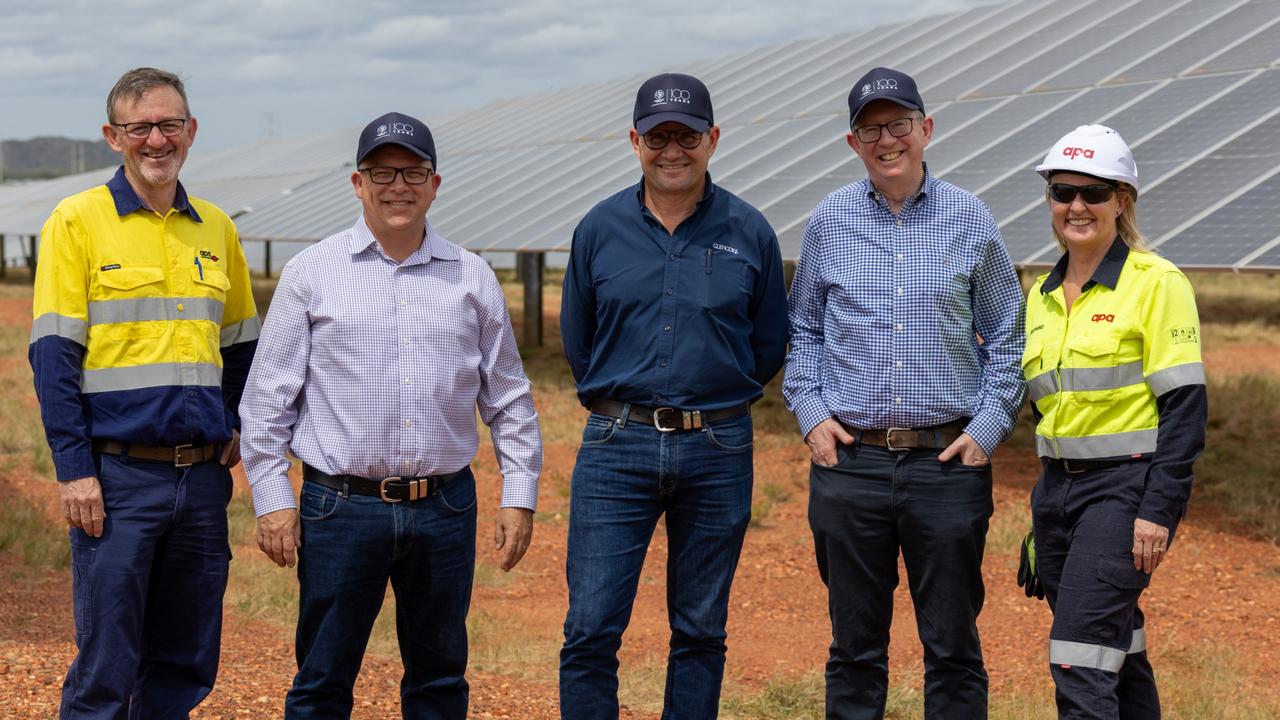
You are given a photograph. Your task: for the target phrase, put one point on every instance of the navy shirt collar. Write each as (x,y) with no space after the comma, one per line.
(127,200)
(1107,273)
(708,191)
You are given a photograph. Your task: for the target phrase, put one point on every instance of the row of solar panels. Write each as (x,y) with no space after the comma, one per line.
(1191,84)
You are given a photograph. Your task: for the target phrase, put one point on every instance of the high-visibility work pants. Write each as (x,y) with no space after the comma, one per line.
(1084,557)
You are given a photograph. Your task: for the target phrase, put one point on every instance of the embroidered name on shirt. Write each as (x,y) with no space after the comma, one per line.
(725,248)
(105,268)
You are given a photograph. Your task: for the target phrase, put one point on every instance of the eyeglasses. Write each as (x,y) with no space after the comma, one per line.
(658,139)
(387,175)
(142,130)
(896,128)
(1091,194)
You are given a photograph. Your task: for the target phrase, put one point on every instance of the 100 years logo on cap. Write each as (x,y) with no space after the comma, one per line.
(672,95)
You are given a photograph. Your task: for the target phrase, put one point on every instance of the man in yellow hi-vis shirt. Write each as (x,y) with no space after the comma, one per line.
(143,333)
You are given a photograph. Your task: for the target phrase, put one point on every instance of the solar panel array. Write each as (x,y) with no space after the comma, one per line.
(1192,85)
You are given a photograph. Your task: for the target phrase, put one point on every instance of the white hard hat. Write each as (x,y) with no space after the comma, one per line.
(1095,150)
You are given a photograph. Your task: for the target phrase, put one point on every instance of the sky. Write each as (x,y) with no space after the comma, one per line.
(257,69)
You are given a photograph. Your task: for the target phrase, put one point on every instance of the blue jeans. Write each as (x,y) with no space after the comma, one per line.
(872,503)
(627,475)
(351,547)
(1084,558)
(147,595)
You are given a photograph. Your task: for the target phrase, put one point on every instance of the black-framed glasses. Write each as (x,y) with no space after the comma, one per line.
(896,128)
(383,175)
(658,139)
(1091,194)
(142,130)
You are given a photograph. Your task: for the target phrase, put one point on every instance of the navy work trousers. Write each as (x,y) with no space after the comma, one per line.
(1084,557)
(147,595)
(862,510)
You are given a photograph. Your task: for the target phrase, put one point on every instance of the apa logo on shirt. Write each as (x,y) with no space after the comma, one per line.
(1104,317)
(725,248)
(207,255)
(1184,335)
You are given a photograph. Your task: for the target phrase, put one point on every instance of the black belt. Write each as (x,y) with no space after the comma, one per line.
(668,419)
(180,455)
(390,489)
(1074,466)
(938,437)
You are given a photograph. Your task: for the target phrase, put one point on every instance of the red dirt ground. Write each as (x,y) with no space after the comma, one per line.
(1217,589)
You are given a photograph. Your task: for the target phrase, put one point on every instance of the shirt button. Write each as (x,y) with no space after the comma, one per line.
(666,328)
(898,363)
(899,223)
(899,291)
(671,257)
(408,423)
(897,401)
(898,326)
(408,381)
(899,257)
(669,291)
(662,363)
(404,304)
(181,307)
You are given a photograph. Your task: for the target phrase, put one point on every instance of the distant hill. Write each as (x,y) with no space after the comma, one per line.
(47,157)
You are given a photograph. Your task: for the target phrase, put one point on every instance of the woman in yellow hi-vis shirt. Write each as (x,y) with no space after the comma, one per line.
(1117,387)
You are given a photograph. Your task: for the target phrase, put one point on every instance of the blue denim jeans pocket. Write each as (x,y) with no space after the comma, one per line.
(732,435)
(458,496)
(599,430)
(318,502)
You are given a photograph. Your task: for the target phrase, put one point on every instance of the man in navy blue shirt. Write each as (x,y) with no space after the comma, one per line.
(673,320)
(904,374)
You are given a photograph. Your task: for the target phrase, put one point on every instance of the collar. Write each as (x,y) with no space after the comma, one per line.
(433,246)
(708,191)
(1107,273)
(127,200)
(926,188)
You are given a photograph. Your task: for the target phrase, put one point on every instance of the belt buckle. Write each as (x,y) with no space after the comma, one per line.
(382,489)
(177,456)
(685,415)
(888,440)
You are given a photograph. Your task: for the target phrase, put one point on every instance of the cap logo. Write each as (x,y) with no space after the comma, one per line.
(400,128)
(1075,152)
(382,131)
(672,95)
(866,88)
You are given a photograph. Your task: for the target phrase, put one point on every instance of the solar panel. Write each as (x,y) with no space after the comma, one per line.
(1204,42)
(1229,234)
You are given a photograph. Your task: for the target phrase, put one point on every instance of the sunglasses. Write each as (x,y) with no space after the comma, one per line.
(1091,194)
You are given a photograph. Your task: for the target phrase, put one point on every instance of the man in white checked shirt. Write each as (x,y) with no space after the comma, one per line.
(381,343)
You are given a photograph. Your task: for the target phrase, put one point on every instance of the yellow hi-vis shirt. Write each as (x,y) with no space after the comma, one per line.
(1094,374)
(144,324)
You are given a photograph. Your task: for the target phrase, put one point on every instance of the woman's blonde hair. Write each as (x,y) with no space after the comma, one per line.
(1126,222)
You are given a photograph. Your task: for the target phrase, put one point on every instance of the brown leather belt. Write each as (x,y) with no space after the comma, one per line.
(937,437)
(668,419)
(180,456)
(389,490)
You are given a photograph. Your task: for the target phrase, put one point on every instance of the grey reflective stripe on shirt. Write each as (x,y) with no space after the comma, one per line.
(73,329)
(243,331)
(1097,446)
(1104,378)
(103,312)
(1042,386)
(1076,654)
(136,377)
(1174,377)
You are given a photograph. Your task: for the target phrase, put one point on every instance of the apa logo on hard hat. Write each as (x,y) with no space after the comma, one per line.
(1094,150)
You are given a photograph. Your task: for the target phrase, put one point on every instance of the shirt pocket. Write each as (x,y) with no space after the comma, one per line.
(211,283)
(724,282)
(1094,377)
(123,283)
(126,321)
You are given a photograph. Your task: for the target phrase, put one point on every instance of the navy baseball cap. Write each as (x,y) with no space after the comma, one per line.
(884,84)
(672,97)
(397,129)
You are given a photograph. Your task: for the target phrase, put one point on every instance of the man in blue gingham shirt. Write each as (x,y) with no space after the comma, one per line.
(381,344)
(906,336)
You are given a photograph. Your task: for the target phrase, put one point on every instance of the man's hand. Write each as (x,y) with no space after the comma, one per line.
(231,451)
(968,450)
(822,441)
(511,535)
(82,506)
(1150,543)
(280,536)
